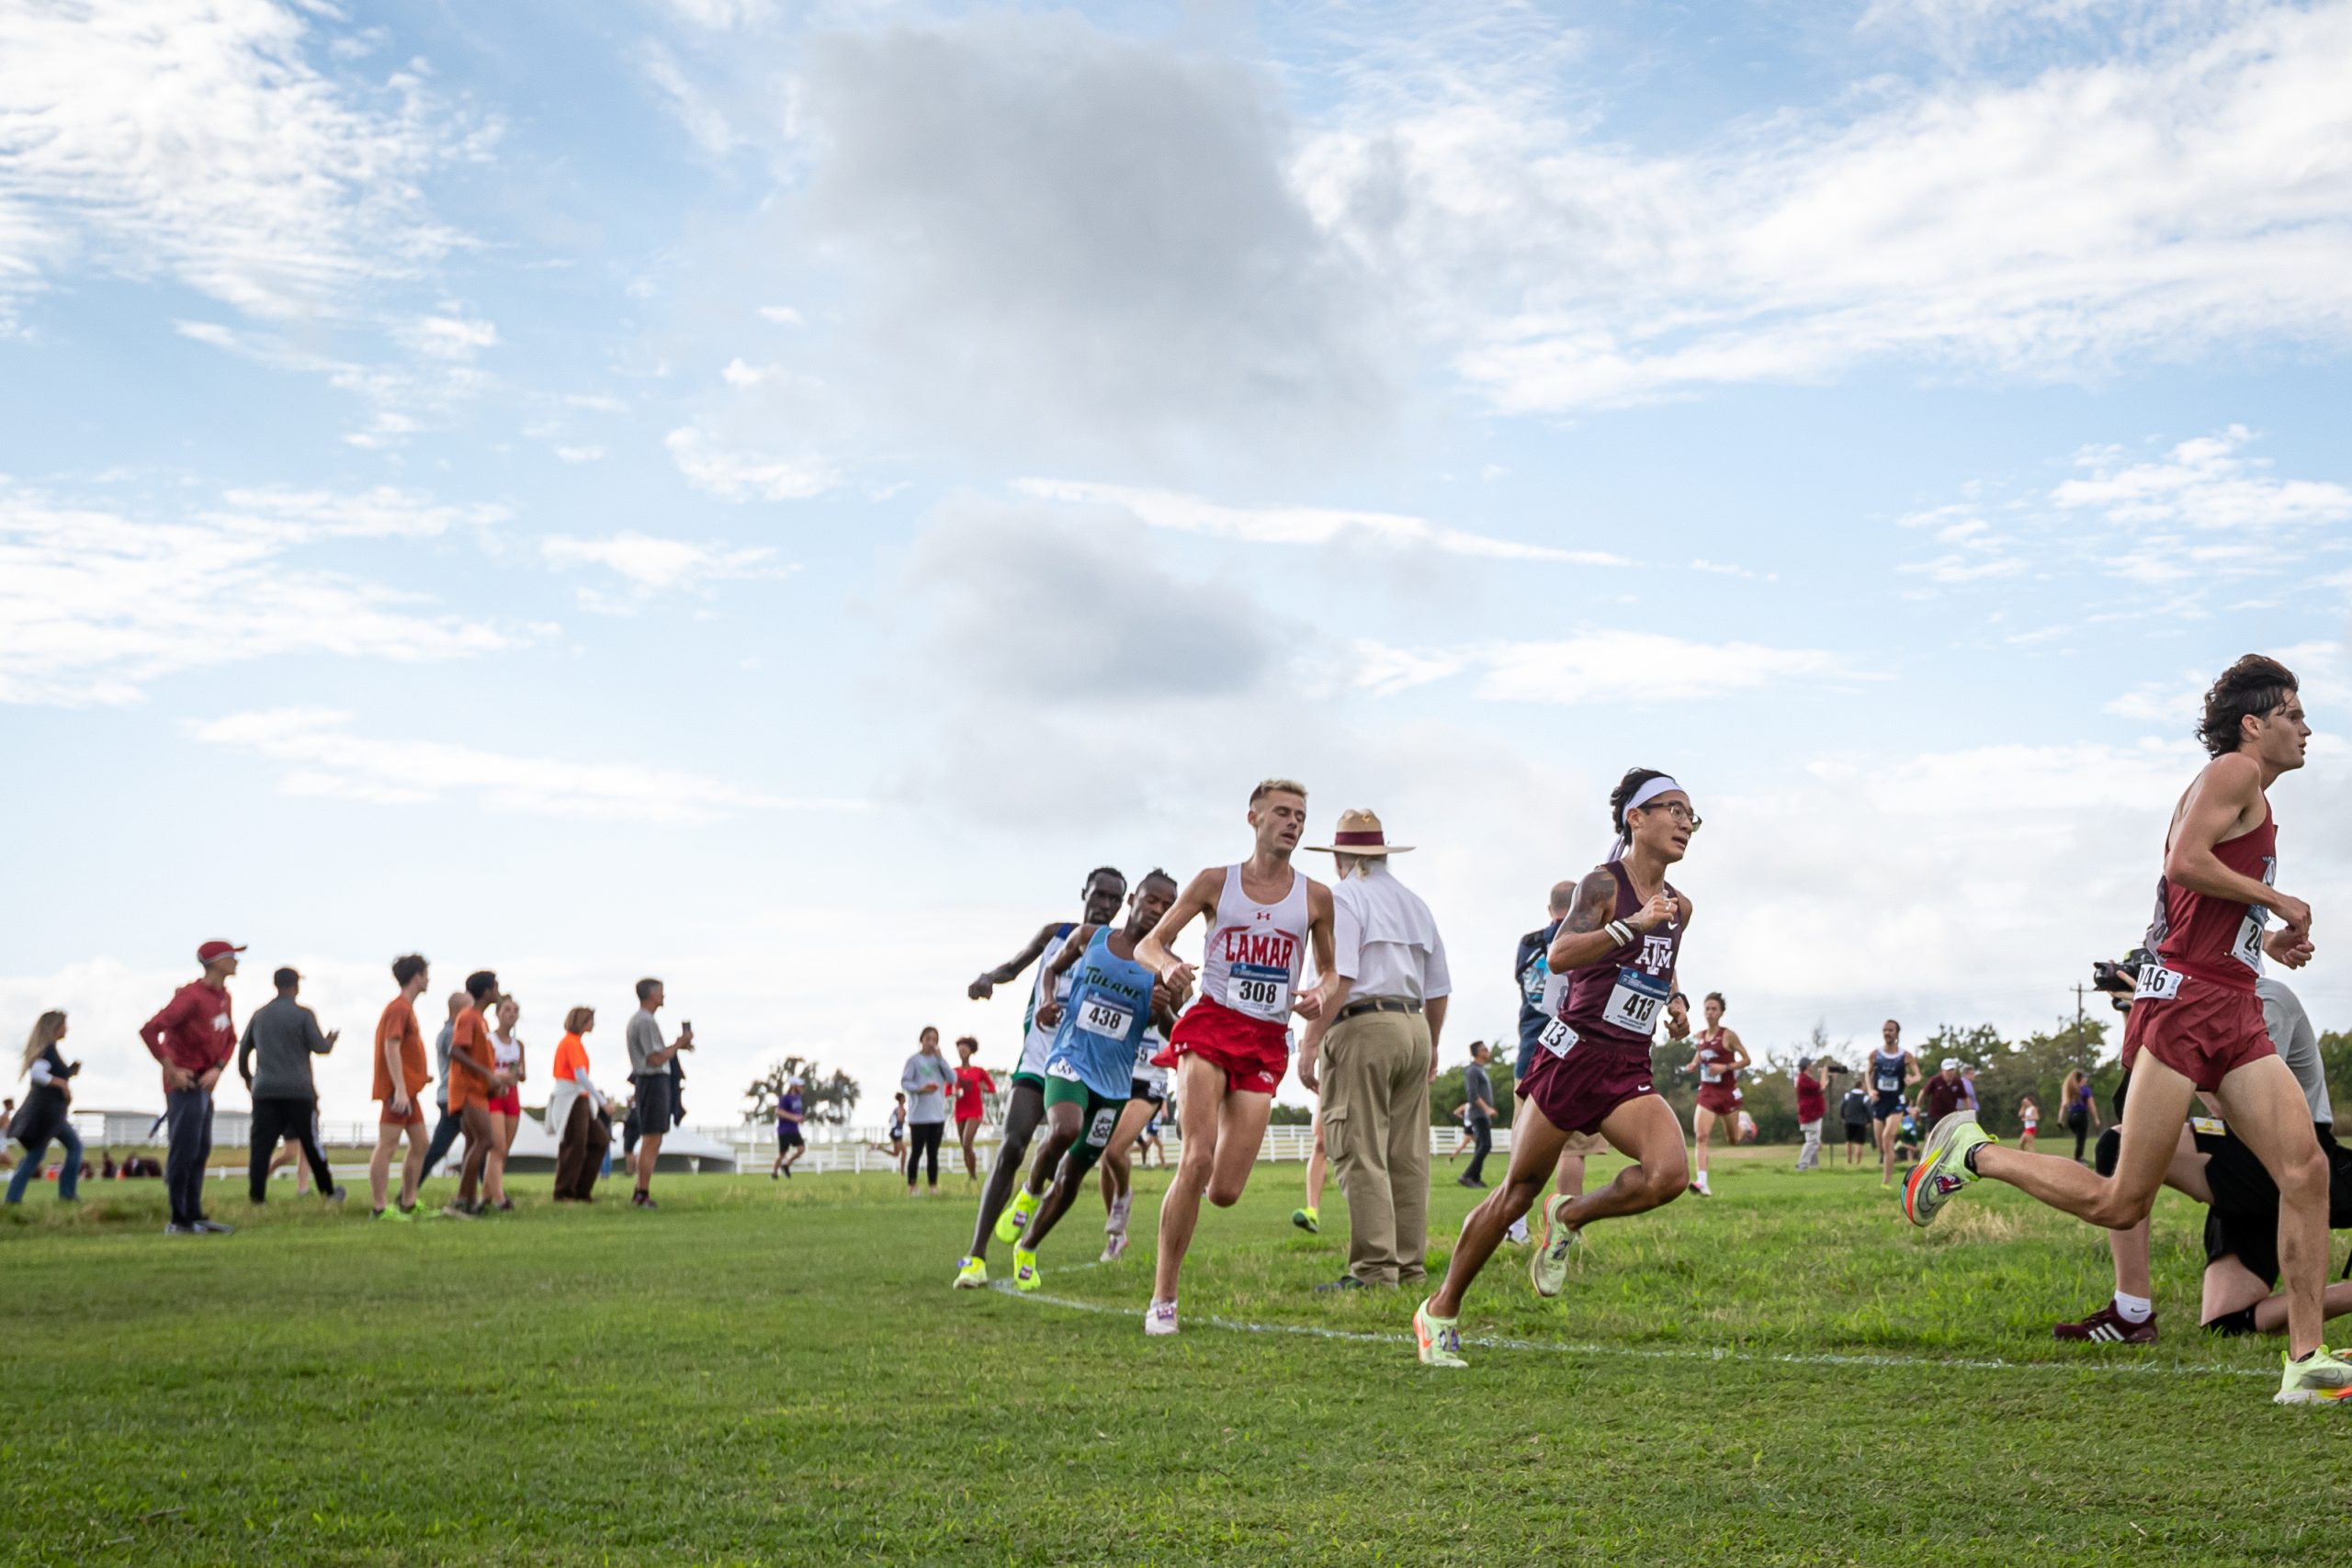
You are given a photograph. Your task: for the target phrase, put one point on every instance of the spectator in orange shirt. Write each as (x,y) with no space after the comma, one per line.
(400,1076)
(572,1104)
(474,1082)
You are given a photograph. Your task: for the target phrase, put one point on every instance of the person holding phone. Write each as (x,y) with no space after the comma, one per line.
(649,1069)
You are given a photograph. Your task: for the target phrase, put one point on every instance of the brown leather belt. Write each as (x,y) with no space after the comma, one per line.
(1376,1004)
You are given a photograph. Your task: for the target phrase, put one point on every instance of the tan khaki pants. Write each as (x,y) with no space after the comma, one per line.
(1376,1130)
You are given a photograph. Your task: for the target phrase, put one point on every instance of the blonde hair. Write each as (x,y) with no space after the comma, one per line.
(578,1018)
(46,1029)
(1277,787)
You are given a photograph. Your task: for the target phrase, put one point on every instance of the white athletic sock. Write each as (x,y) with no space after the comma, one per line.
(2133,1309)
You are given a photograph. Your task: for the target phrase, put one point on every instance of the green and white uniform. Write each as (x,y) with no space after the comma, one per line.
(1037,1043)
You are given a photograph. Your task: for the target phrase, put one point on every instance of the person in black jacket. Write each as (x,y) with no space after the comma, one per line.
(42,1120)
(284,1035)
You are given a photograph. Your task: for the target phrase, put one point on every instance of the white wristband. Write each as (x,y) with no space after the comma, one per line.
(1621,930)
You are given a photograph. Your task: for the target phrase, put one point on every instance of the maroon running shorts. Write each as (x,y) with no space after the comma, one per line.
(2204,1034)
(1723,1098)
(1576,1092)
(1252,1053)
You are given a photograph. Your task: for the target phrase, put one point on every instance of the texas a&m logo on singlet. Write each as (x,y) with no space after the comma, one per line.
(1657,953)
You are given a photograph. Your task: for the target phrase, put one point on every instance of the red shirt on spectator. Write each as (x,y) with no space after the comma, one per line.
(194,1031)
(1810,1106)
(971,1083)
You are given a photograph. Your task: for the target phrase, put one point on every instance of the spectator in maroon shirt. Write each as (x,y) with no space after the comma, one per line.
(194,1037)
(1942,1095)
(1812,1106)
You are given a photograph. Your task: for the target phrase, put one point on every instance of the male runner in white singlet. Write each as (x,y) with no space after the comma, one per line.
(1231,1049)
(1025,1108)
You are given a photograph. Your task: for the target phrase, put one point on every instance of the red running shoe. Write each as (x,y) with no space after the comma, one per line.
(2108,1326)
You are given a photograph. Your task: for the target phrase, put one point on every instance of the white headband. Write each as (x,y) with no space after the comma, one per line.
(1649,791)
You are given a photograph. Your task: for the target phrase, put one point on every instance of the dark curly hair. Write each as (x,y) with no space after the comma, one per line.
(1634,779)
(2254,687)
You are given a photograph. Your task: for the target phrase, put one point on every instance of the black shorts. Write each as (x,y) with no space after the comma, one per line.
(654,1111)
(1139,1089)
(787,1134)
(2244,1219)
(1857,1132)
(1889,1102)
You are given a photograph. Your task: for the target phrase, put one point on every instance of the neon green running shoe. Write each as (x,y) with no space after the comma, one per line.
(2319,1378)
(1943,1169)
(1307,1220)
(1547,1262)
(1437,1340)
(971,1273)
(1016,1218)
(392,1213)
(1026,1277)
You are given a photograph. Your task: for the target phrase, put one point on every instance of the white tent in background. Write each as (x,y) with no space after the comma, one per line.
(682,1149)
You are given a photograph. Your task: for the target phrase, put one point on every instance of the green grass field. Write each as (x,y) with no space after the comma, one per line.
(1787,1373)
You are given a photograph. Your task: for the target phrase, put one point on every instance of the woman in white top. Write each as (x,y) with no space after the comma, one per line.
(506,1109)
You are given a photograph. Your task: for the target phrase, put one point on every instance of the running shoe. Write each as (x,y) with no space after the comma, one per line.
(1159,1318)
(175,1229)
(1700,1185)
(1016,1218)
(339,1195)
(1438,1340)
(1547,1266)
(396,1214)
(1026,1277)
(971,1273)
(214,1227)
(1307,1220)
(457,1211)
(1943,1169)
(2108,1326)
(1518,1231)
(1113,1245)
(2318,1379)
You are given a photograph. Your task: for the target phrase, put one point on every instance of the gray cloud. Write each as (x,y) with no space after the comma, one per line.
(1073,242)
(1045,606)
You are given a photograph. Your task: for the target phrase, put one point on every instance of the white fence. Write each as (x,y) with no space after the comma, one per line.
(830,1148)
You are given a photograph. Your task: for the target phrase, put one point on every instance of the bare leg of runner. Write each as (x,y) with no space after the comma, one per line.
(1535,1147)
(1223,1132)
(1021,1116)
(1702,1132)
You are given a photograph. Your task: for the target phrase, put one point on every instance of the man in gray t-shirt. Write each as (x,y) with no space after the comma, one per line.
(649,1068)
(1479,1111)
(445,1129)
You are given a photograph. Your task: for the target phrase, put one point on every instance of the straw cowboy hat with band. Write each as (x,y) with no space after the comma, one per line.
(1360,834)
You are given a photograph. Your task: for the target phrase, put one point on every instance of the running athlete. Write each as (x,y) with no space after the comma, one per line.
(1025,1106)
(1890,1071)
(973,1085)
(1231,1049)
(1113,999)
(1717,1059)
(1147,1092)
(2196,1024)
(1532,972)
(1615,955)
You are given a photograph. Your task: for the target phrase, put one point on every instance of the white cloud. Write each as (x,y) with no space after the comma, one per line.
(1965,568)
(191,139)
(1298,524)
(722,15)
(656,564)
(692,108)
(782,315)
(580,453)
(738,373)
(329,761)
(1600,666)
(449,336)
(2204,483)
(734,475)
(95,605)
(2150,204)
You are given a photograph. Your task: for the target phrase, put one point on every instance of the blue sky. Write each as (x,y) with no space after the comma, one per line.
(771,495)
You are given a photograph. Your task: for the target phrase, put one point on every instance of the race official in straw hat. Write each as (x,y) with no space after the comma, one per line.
(1384,1007)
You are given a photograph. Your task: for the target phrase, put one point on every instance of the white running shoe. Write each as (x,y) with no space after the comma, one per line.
(1518,1231)
(1159,1318)
(1114,1245)
(1547,1266)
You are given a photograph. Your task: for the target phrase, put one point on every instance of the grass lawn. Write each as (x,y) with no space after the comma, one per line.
(763,1372)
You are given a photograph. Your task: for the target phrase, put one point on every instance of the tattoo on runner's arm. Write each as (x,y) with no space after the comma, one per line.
(1596,898)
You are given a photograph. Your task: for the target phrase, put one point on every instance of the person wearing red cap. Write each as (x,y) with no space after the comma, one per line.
(194,1038)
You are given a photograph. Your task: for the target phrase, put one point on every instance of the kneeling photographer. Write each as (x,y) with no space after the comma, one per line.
(2214,1168)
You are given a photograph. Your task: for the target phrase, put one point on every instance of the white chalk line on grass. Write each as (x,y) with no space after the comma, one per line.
(1639,1353)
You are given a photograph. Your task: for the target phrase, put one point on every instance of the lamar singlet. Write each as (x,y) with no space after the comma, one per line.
(2194,1010)
(1249,974)
(1037,1043)
(1595,1053)
(1718,1079)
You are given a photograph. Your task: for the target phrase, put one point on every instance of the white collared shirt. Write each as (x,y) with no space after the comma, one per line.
(1385,940)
